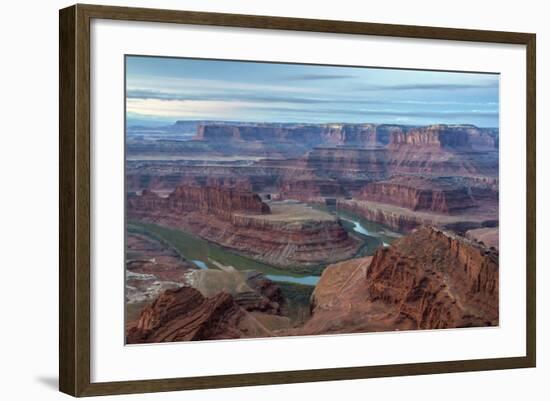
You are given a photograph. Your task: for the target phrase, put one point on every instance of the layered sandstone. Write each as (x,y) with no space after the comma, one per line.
(426,280)
(405,220)
(219,201)
(358,164)
(291,235)
(184,314)
(440,195)
(310,189)
(363,135)
(446,136)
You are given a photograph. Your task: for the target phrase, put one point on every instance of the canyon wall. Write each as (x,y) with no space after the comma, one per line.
(447,136)
(292,236)
(438,280)
(441,194)
(358,135)
(427,280)
(223,202)
(310,134)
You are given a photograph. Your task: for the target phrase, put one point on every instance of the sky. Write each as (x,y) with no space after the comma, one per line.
(163,90)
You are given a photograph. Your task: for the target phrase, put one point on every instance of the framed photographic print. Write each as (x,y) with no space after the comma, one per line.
(250,200)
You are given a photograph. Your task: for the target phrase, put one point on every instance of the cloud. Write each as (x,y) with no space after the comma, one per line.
(263,99)
(431,86)
(454,114)
(317,77)
(178,84)
(229,96)
(180,108)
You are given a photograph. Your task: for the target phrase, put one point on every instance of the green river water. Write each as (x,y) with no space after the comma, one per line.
(203,253)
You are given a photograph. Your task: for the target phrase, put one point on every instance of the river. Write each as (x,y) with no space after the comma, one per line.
(206,255)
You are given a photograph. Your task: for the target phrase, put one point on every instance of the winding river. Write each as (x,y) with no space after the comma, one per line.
(206,255)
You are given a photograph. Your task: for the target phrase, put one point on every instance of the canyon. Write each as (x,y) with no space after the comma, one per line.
(183,314)
(429,279)
(283,234)
(243,230)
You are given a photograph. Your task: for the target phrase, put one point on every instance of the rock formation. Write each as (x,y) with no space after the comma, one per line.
(151,268)
(310,189)
(357,135)
(184,314)
(292,235)
(405,220)
(466,137)
(250,289)
(426,280)
(220,201)
(441,194)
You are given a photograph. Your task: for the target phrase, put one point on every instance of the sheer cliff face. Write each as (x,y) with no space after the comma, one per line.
(452,150)
(440,195)
(445,136)
(220,201)
(310,189)
(310,135)
(351,154)
(356,135)
(426,280)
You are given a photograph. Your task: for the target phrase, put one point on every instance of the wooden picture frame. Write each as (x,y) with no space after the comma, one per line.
(74,199)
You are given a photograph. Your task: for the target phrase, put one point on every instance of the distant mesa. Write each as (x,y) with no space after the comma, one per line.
(293,139)
(446,195)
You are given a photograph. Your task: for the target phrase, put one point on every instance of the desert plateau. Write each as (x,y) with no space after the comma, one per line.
(239,228)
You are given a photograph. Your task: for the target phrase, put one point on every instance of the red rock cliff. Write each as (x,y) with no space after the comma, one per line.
(442,195)
(294,236)
(183,314)
(220,201)
(438,280)
(426,280)
(446,136)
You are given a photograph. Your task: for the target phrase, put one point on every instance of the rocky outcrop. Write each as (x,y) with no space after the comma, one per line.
(446,136)
(401,222)
(362,135)
(438,279)
(441,194)
(426,280)
(184,314)
(293,235)
(342,163)
(357,135)
(404,220)
(151,267)
(222,202)
(250,289)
